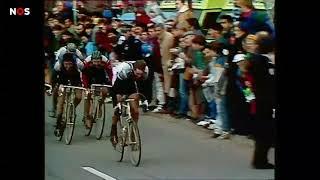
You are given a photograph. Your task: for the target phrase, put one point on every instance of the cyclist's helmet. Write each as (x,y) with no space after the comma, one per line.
(96,55)
(71,47)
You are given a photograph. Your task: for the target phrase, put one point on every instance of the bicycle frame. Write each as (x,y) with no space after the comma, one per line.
(93,89)
(69,93)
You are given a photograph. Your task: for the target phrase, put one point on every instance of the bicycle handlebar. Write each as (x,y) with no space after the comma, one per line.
(100,85)
(75,87)
(49,86)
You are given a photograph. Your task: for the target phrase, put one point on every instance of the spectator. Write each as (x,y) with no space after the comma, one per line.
(61,12)
(185,75)
(147,53)
(102,42)
(198,65)
(80,31)
(156,66)
(169,25)
(67,37)
(156,18)
(130,48)
(223,124)
(194,26)
(152,9)
(184,13)
(210,74)
(100,23)
(57,31)
(239,35)
(226,22)
(166,43)
(215,32)
(142,18)
(253,21)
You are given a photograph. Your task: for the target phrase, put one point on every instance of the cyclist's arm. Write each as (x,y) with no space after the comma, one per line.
(80,64)
(84,76)
(146,73)
(60,53)
(57,66)
(108,68)
(79,54)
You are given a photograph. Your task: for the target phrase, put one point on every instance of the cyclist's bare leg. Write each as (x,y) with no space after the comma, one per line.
(103,94)
(78,97)
(54,101)
(134,106)
(115,119)
(60,105)
(87,106)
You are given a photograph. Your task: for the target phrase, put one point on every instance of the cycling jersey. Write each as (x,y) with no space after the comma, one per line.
(80,65)
(94,75)
(104,58)
(72,77)
(125,84)
(124,71)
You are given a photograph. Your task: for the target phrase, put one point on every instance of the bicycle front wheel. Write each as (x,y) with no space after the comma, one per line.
(64,122)
(88,130)
(70,123)
(134,144)
(119,147)
(100,118)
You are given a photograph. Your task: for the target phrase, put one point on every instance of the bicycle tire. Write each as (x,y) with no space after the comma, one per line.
(88,130)
(135,149)
(64,120)
(100,121)
(119,148)
(70,124)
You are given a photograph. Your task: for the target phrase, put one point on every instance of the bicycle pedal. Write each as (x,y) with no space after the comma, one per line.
(71,123)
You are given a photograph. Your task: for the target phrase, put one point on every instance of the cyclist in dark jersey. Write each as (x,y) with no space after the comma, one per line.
(68,73)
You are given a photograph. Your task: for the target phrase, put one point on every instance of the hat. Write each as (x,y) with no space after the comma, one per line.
(71,47)
(188,33)
(238,58)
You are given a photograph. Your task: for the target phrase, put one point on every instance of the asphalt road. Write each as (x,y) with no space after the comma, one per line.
(171,149)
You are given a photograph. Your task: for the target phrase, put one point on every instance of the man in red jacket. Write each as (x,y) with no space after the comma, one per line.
(97,70)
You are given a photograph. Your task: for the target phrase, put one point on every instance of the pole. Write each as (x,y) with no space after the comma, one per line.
(74,9)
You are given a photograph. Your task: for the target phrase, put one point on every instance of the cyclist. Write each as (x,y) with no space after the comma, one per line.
(97,70)
(69,48)
(125,85)
(67,73)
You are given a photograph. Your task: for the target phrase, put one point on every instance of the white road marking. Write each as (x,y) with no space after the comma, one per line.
(98,173)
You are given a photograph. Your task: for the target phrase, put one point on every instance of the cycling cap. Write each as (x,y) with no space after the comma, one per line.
(96,55)
(71,47)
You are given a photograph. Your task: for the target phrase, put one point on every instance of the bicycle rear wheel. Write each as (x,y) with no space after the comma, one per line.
(88,130)
(70,123)
(135,144)
(119,148)
(100,118)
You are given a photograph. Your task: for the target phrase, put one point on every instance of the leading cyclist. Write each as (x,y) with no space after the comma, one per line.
(125,85)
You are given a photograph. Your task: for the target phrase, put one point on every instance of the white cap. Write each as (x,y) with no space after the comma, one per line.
(238,58)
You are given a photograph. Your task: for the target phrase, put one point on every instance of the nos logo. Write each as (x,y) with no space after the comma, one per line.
(19,11)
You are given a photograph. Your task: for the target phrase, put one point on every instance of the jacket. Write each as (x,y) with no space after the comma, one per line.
(183,14)
(166,43)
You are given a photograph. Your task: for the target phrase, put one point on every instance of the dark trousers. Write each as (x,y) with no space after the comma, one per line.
(261,149)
